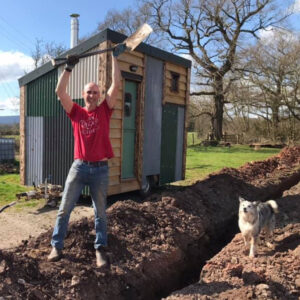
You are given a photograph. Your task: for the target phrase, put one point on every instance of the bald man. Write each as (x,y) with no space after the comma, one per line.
(92,149)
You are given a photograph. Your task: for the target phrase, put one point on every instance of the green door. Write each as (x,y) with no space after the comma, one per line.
(129,129)
(168,144)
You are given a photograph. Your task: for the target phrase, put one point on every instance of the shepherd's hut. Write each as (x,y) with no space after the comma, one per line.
(148,129)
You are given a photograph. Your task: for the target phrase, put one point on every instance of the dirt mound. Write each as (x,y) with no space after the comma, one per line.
(273,274)
(154,247)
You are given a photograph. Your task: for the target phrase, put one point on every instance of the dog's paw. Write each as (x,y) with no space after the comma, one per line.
(270,245)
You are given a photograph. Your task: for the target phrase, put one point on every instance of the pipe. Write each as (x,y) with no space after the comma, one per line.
(74,30)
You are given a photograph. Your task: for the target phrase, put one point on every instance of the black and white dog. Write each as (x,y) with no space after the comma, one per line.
(253,217)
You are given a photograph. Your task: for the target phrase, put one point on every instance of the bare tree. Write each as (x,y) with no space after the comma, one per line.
(128,20)
(273,71)
(211,31)
(201,108)
(43,52)
(37,53)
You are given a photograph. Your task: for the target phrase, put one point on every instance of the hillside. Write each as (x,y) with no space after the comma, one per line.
(8,120)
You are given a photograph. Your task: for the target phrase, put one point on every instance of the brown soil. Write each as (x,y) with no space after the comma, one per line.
(273,274)
(161,245)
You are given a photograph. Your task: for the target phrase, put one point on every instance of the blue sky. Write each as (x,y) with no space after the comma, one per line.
(24,21)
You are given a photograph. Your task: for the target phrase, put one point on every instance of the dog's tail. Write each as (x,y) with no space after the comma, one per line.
(273,205)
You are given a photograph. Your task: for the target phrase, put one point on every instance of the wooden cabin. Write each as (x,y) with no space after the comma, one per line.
(148,128)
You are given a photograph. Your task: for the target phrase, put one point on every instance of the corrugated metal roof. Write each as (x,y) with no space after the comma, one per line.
(95,40)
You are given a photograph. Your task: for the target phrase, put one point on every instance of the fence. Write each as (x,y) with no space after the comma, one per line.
(193,139)
(7,149)
(233,138)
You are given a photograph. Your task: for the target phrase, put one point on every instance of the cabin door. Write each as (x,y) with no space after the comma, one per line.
(129,129)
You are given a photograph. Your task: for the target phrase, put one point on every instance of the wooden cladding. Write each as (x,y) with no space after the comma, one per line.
(175,84)
(175,90)
(116,185)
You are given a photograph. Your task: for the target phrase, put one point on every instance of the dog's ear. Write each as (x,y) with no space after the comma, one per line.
(241,199)
(255,203)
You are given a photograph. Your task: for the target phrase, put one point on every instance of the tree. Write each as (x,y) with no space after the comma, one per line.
(210,31)
(44,52)
(273,72)
(128,20)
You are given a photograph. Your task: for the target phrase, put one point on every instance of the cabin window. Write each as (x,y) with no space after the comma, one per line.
(128,104)
(174,82)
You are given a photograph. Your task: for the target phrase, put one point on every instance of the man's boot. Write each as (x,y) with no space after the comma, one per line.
(55,254)
(100,259)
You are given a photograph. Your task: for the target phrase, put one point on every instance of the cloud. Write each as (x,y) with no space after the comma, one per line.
(268,35)
(296,7)
(11,104)
(14,65)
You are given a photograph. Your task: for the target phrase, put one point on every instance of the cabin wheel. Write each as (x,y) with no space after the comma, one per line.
(147,187)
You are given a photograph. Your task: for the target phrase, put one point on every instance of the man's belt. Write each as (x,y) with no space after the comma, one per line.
(96,163)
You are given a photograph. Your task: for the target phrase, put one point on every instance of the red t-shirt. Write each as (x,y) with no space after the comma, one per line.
(91,132)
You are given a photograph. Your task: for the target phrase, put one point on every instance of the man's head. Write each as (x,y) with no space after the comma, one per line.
(91,95)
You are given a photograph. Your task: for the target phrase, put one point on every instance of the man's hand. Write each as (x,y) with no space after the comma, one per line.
(119,49)
(72,60)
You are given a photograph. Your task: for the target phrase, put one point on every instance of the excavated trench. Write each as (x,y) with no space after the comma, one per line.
(155,247)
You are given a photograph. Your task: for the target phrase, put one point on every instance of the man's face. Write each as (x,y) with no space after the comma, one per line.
(91,95)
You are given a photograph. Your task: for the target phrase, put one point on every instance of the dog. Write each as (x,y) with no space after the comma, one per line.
(253,218)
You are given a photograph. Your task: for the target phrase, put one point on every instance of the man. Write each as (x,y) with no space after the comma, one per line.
(92,149)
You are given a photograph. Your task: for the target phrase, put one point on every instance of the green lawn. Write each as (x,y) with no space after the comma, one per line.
(9,187)
(202,161)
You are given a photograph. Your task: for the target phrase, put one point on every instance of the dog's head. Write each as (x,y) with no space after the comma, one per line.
(247,207)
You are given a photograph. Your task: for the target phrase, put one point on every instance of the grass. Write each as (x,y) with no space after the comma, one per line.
(202,161)
(9,187)
(16,137)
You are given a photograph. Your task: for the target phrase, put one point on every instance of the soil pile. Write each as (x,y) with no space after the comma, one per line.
(273,274)
(154,246)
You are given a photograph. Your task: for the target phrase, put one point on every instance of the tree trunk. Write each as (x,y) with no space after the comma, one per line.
(275,122)
(219,108)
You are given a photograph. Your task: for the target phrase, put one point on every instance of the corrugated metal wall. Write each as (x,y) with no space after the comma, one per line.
(85,71)
(180,140)
(172,143)
(152,117)
(41,100)
(34,150)
(49,136)
(168,143)
(59,150)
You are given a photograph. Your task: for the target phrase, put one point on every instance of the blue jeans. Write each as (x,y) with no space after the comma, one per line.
(81,174)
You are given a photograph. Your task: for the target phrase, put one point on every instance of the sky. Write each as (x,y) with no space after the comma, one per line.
(22,22)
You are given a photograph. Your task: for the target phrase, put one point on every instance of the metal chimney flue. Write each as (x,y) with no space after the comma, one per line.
(74,30)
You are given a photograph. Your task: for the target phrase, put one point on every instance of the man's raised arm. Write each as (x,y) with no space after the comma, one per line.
(112,93)
(61,88)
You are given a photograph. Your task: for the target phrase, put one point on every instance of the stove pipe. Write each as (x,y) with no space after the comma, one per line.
(74,30)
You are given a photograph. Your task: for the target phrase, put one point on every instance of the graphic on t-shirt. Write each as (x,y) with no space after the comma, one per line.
(89,126)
